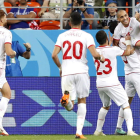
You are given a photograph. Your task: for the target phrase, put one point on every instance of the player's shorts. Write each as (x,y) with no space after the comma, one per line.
(2,77)
(134,41)
(116,93)
(132,84)
(78,85)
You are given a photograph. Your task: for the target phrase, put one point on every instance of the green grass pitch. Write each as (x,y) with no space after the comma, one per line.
(66,137)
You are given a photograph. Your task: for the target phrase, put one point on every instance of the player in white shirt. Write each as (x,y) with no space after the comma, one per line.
(5,48)
(127,26)
(108,85)
(132,63)
(75,82)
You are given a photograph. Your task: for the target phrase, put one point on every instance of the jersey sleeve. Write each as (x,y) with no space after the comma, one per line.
(8,37)
(58,42)
(136,23)
(90,41)
(116,34)
(118,51)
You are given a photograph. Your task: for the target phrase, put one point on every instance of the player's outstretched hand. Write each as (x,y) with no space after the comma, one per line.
(102,59)
(110,39)
(27,45)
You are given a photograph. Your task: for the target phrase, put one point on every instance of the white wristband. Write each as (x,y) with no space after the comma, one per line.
(60,68)
(128,42)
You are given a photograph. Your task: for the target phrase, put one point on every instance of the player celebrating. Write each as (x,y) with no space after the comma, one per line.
(127,26)
(75,80)
(108,84)
(132,63)
(5,48)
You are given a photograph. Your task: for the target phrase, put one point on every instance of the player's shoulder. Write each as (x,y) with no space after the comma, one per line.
(86,34)
(119,26)
(6,30)
(133,19)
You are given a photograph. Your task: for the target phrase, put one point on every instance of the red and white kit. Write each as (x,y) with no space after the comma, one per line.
(5,37)
(132,71)
(108,85)
(133,29)
(75,78)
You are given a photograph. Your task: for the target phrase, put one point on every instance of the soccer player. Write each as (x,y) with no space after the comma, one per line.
(13,64)
(5,48)
(128,26)
(108,84)
(75,80)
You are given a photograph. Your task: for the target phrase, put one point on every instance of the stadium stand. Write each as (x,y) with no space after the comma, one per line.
(7,4)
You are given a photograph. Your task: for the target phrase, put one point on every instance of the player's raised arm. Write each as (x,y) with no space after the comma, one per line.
(128,44)
(95,54)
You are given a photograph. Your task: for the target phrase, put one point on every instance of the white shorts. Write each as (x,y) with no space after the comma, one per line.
(2,77)
(132,84)
(116,93)
(78,85)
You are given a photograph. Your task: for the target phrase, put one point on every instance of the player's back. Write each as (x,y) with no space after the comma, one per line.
(74,44)
(107,71)
(3,39)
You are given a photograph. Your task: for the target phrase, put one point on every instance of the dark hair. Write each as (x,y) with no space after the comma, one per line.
(2,13)
(75,18)
(101,37)
(112,26)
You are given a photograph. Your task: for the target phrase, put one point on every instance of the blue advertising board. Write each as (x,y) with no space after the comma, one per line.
(35,109)
(42,42)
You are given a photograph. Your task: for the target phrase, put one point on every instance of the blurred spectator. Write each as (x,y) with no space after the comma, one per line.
(85,13)
(137,8)
(21,12)
(99,10)
(53,12)
(2,5)
(13,2)
(123,3)
(112,13)
(137,11)
(13,64)
(40,2)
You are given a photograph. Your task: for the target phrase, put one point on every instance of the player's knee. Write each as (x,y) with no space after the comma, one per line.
(107,107)
(125,105)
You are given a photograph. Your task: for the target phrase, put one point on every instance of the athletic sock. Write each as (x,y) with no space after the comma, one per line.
(69,106)
(120,118)
(101,119)
(129,119)
(3,106)
(81,114)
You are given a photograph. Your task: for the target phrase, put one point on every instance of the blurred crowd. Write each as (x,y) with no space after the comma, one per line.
(22,10)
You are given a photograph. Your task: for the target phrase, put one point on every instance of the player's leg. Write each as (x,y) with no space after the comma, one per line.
(6,95)
(130,90)
(119,96)
(129,119)
(82,91)
(69,93)
(103,111)
(81,114)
